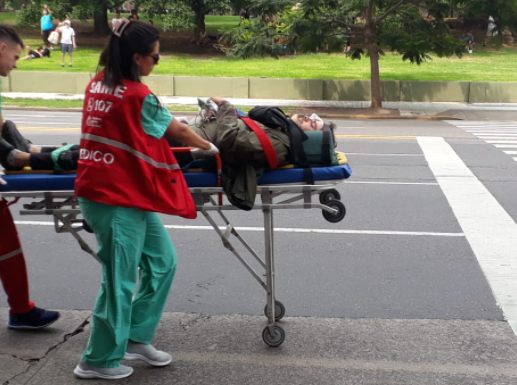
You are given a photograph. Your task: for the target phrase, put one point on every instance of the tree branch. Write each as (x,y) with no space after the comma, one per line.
(393,8)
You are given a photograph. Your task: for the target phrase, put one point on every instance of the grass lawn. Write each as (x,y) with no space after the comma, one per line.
(482,65)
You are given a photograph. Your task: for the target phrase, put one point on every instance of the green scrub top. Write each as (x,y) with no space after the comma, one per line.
(155,117)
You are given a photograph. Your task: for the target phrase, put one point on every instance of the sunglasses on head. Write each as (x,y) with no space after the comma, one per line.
(155,57)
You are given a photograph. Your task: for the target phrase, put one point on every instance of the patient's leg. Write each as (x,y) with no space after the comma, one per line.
(12,135)
(43,159)
(11,158)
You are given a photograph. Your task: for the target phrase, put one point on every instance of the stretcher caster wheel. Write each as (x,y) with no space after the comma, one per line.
(273,336)
(87,227)
(279,310)
(329,195)
(341,211)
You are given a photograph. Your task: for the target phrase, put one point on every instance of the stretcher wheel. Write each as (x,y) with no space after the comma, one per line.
(273,336)
(279,310)
(87,227)
(329,195)
(341,211)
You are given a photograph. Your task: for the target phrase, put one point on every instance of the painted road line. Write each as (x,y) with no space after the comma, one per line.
(490,231)
(491,130)
(287,230)
(505,145)
(392,183)
(377,154)
(485,124)
(488,136)
(375,137)
(511,152)
(502,141)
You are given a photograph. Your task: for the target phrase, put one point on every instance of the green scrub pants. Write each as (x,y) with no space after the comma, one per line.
(127,239)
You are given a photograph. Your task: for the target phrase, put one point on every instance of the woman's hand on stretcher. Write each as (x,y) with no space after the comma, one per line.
(181,133)
(199,153)
(3,182)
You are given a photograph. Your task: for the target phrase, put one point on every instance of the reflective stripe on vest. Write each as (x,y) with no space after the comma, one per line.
(131,150)
(10,254)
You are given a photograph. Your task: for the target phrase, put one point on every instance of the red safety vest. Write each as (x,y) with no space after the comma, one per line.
(119,164)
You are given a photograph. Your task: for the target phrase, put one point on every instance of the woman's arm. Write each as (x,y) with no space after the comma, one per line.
(182,133)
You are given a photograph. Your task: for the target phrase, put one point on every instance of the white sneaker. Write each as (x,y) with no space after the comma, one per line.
(84,371)
(147,353)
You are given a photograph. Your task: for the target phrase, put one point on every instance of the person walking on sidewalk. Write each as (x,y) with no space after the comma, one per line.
(67,41)
(23,313)
(126,175)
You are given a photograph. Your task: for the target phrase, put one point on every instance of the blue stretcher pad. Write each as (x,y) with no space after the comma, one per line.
(63,182)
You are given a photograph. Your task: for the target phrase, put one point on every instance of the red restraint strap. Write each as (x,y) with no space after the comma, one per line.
(269,151)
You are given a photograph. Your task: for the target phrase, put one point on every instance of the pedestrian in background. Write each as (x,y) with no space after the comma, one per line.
(117,19)
(46,24)
(67,41)
(491,29)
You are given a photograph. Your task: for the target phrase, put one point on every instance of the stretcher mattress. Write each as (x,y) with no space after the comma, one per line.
(59,182)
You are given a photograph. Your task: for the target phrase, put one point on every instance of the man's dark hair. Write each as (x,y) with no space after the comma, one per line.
(9,35)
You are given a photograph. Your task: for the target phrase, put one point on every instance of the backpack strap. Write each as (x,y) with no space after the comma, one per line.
(326,147)
(269,151)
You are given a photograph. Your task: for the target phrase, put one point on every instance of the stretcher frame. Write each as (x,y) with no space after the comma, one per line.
(64,208)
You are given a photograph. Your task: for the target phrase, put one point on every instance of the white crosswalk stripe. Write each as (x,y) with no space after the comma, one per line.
(502,135)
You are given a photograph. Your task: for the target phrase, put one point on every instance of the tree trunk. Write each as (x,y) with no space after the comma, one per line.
(373,52)
(100,19)
(198,6)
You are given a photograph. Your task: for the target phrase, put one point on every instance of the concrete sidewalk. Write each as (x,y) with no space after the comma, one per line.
(342,109)
(229,350)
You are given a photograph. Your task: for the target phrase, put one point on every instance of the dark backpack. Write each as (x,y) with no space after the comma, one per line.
(275,118)
(311,148)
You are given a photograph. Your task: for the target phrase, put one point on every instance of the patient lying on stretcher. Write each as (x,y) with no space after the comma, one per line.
(218,122)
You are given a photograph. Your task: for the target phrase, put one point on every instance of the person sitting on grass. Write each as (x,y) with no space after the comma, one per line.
(468,39)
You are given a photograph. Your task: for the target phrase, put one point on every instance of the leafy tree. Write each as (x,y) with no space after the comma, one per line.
(412,28)
(504,12)
(251,38)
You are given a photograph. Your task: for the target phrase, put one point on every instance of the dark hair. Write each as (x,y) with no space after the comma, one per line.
(9,35)
(130,37)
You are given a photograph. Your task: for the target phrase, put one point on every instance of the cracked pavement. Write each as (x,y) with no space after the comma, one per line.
(229,350)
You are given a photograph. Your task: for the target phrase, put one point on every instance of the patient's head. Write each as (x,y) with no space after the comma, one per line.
(312,122)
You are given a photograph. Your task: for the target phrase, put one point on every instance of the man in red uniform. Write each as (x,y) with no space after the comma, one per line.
(13,272)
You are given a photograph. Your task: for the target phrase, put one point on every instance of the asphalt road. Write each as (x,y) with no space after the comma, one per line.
(400,253)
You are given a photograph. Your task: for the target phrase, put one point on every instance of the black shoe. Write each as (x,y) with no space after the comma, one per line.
(37,318)
(5,149)
(12,135)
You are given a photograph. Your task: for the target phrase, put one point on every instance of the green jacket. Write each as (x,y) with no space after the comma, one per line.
(241,152)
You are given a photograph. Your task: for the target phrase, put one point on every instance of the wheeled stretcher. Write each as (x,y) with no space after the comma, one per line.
(52,194)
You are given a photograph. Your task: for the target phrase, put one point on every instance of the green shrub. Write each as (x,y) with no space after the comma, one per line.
(252,37)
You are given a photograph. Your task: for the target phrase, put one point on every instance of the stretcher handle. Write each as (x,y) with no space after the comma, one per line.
(181,149)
